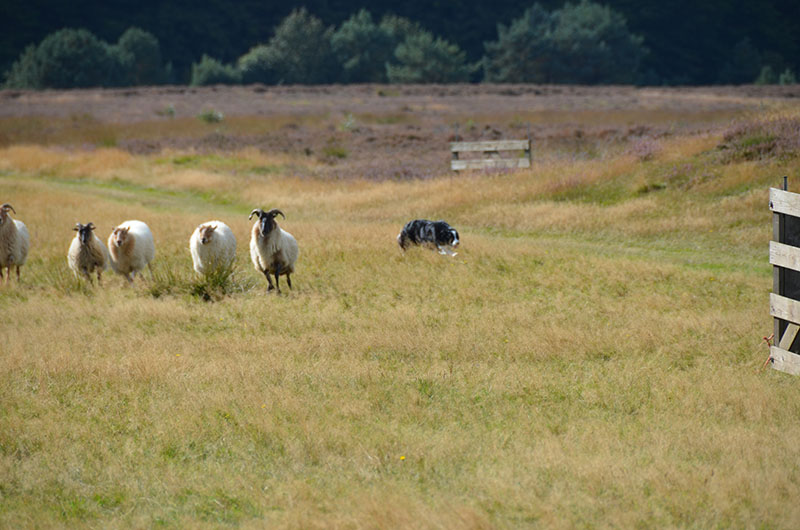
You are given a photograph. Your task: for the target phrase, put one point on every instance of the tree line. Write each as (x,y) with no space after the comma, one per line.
(577,43)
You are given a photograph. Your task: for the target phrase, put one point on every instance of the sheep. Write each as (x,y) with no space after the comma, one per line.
(14,242)
(131,247)
(87,254)
(213,247)
(272,249)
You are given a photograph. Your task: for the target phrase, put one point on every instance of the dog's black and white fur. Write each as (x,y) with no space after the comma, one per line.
(424,232)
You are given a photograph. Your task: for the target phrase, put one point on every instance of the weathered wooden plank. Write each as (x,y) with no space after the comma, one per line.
(785,361)
(784,255)
(784,308)
(784,202)
(490,163)
(788,336)
(490,145)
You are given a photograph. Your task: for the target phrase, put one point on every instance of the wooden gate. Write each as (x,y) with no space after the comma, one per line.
(784,301)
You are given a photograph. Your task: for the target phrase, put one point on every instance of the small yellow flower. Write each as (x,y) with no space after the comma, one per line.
(402,457)
(177,355)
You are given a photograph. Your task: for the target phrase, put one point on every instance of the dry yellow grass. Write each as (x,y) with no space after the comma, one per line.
(589,359)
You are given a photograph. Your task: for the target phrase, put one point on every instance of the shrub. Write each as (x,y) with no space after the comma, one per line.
(399,28)
(143,55)
(580,43)
(766,76)
(210,71)
(68,58)
(787,77)
(259,66)
(523,51)
(299,52)
(24,72)
(423,59)
(363,48)
(211,116)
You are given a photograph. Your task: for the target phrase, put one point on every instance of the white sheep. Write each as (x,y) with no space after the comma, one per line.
(87,254)
(131,247)
(14,242)
(213,247)
(272,249)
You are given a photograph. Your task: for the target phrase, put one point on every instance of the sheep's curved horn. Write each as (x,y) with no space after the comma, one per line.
(275,212)
(78,226)
(258,211)
(7,206)
(90,225)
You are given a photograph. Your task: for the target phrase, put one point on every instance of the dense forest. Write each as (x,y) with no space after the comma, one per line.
(686,42)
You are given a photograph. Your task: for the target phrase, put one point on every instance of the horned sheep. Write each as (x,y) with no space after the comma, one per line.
(87,254)
(273,250)
(213,247)
(14,242)
(131,248)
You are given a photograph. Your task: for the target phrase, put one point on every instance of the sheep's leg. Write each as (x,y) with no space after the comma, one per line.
(99,272)
(277,273)
(9,273)
(269,280)
(1,275)
(289,280)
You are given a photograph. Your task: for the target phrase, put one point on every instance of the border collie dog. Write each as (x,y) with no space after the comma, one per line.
(432,233)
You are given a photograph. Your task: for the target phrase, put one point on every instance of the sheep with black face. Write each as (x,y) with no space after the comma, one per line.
(87,254)
(272,249)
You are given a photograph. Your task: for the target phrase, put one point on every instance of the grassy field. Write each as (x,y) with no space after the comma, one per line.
(592,357)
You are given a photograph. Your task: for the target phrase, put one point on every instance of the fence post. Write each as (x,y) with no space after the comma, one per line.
(778,273)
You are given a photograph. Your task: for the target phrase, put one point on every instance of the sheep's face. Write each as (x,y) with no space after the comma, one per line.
(266,224)
(266,220)
(84,232)
(206,233)
(119,236)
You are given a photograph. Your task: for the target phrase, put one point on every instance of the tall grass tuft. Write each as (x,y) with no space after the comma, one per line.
(61,279)
(219,283)
(165,279)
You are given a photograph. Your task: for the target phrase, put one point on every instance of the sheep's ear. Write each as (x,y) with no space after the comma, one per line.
(210,228)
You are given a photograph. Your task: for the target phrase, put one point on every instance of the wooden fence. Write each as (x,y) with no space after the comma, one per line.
(784,301)
(489,154)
